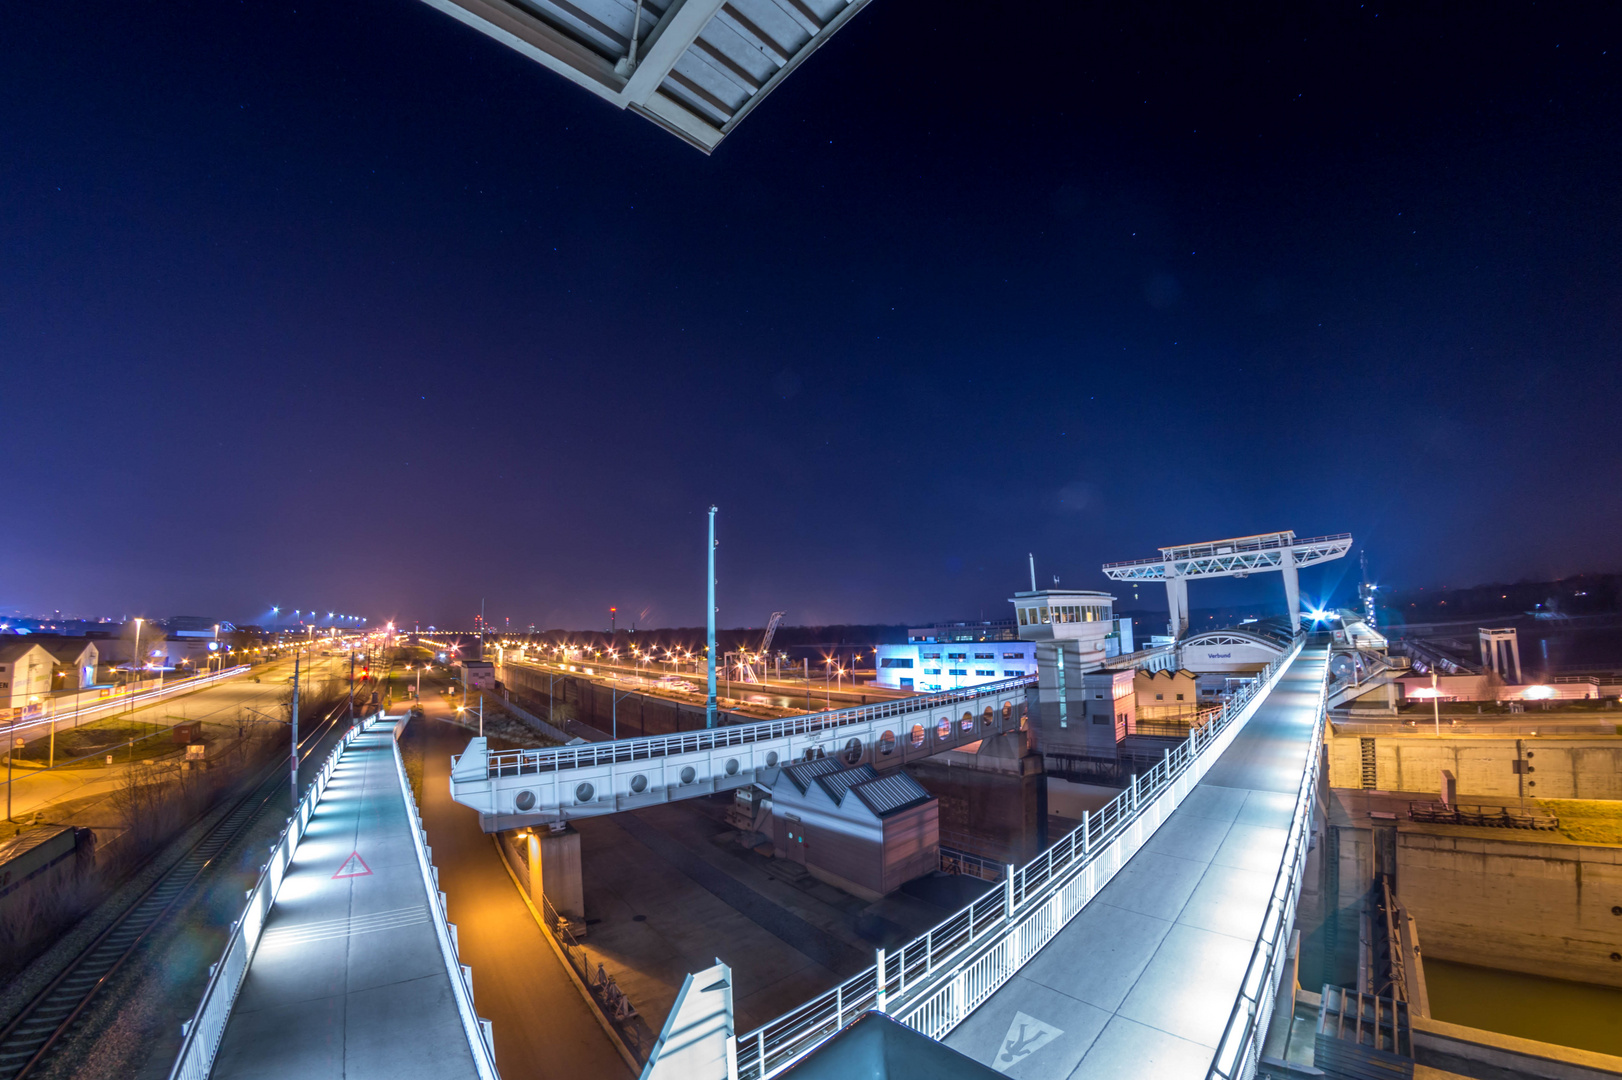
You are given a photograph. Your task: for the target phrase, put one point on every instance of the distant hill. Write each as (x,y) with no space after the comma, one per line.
(1583,594)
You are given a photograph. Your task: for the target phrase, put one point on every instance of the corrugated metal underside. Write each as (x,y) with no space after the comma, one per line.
(712,61)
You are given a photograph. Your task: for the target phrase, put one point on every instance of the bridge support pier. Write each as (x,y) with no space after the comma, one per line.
(1292,588)
(554,871)
(1177,602)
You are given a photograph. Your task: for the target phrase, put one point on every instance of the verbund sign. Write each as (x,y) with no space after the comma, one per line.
(1219,656)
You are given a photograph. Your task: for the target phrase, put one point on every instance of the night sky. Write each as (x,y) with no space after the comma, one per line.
(345,305)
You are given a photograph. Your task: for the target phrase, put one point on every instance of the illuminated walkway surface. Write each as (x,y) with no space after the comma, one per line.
(348,980)
(1141,983)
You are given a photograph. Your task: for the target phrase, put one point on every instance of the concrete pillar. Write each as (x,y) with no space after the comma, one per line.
(1515,651)
(1292,588)
(554,871)
(1177,602)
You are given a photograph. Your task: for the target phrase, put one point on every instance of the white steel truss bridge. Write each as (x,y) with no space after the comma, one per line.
(514,788)
(1239,556)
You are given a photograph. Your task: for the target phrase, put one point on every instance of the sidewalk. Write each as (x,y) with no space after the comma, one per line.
(348,980)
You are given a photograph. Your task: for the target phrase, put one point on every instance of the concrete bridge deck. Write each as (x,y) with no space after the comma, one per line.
(348,980)
(1142,982)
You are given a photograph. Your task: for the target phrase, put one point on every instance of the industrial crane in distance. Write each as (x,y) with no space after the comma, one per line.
(765,649)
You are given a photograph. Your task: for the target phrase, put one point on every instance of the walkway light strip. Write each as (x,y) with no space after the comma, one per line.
(964,960)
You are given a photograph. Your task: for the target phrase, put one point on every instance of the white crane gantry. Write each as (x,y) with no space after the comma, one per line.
(1240,556)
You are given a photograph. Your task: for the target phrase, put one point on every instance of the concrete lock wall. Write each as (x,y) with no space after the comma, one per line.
(590,703)
(1560,767)
(1539,908)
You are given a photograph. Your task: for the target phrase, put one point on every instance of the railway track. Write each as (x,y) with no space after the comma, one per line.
(28,1040)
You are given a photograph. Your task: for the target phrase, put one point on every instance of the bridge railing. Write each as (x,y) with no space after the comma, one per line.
(480,1038)
(938,979)
(551,759)
(201,1034)
(1239,1052)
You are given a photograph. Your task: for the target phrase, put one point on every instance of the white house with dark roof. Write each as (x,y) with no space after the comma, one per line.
(25,675)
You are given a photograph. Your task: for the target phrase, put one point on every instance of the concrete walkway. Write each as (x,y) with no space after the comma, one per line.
(1142,982)
(348,980)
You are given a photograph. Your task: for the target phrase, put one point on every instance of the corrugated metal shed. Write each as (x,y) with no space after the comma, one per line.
(694,67)
(891,793)
(837,784)
(802,774)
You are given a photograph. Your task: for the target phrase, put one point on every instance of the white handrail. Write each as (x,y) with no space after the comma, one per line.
(1239,1052)
(480,1039)
(937,979)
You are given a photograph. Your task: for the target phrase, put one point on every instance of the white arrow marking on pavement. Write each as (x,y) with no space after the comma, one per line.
(1026,1035)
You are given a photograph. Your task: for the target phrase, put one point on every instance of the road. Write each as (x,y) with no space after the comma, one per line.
(543,1028)
(37,789)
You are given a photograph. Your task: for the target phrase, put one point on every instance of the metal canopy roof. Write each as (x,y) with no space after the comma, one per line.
(697,66)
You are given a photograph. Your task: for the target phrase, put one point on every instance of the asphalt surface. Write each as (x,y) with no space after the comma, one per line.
(40,789)
(543,1028)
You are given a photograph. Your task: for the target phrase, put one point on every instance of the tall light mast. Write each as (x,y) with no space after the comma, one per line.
(709,703)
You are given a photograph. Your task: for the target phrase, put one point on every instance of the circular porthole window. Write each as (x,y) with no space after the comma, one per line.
(771,758)
(732,766)
(639,784)
(1007,711)
(967,723)
(688,775)
(887,742)
(525,800)
(917,734)
(584,792)
(853,751)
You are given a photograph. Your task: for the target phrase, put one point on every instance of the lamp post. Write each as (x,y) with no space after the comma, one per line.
(1436,702)
(292,764)
(709,703)
(135,659)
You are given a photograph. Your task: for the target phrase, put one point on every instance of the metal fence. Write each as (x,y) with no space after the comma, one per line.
(936,980)
(1239,1052)
(201,1034)
(517,762)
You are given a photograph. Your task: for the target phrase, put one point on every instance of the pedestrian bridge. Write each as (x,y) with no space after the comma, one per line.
(514,788)
(1151,941)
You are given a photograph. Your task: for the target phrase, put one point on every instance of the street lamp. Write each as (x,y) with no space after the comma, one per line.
(134,659)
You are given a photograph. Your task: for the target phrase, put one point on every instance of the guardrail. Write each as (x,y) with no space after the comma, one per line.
(517,762)
(1239,1052)
(480,1037)
(201,1034)
(936,980)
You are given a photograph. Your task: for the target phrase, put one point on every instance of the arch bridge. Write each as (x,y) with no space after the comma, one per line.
(514,788)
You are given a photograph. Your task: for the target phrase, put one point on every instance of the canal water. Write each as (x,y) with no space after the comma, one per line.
(1575,1014)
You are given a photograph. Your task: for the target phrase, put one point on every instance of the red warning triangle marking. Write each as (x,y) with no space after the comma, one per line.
(354,866)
